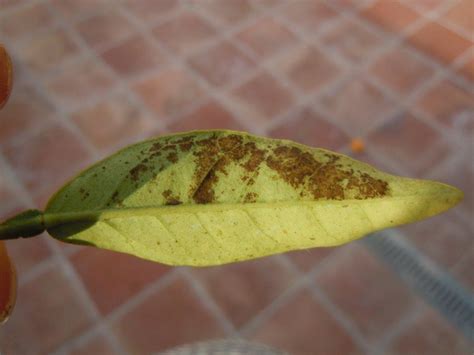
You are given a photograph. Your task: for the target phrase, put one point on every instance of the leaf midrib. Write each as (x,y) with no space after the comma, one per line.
(54,218)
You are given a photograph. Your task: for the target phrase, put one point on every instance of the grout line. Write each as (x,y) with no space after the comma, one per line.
(341,318)
(63,261)
(431,281)
(404,323)
(306,281)
(436,14)
(208,301)
(38,270)
(117,79)
(104,326)
(251,326)
(69,273)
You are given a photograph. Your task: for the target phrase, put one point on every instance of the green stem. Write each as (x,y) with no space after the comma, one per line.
(25,225)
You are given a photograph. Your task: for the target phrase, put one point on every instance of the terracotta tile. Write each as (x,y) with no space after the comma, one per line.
(242,290)
(262,97)
(7,196)
(439,42)
(95,346)
(430,334)
(307,127)
(103,28)
(111,121)
(401,70)
(445,239)
(26,20)
(366,291)
(392,15)
(134,56)
(46,51)
(25,110)
(412,143)
(70,9)
(184,33)
(221,64)
(463,271)
(226,12)
(307,68)
(113,278)
(352,40)
(461,16)
(268,3)
(80,81)
(27,253)
(266,37)
(303,326)
(211,115)
(40,164)
(307,259)
(48,312)
(170,317)
(425,5)
(467,69)
(357,104)
(151,10)
(308,15)
(351,4)
(10,3)
(169,92)
(450,105)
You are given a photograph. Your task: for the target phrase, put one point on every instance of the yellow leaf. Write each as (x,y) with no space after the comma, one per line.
(215,197)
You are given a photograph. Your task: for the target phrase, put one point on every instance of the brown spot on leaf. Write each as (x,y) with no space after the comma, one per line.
(170,147)
(323,179)
(255,157)
(185,147)
(172,157)
(115,196)
(170,198)
(215,154)
(137,171)
(114,200)
(84,194)
(231,145)
(250,197)
(185,143)
(206,158)
(293,165)
(155,147)
(205,191)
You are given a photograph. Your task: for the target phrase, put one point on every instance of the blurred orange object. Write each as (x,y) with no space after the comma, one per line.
(6,76)
(357,145)
(7,270)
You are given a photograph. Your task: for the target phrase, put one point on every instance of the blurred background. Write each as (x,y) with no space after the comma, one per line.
(94,75)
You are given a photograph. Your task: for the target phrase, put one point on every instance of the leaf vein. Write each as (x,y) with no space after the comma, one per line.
(255,223)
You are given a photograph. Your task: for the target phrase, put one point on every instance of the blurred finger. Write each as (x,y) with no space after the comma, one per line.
(7,284)
(6,76)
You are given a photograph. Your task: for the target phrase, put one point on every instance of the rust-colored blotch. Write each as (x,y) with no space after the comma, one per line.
(6,76)
(7,284)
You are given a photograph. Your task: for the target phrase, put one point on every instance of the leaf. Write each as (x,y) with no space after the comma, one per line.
(214,197)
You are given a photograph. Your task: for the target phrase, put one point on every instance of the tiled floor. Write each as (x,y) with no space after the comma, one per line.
(94,75)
